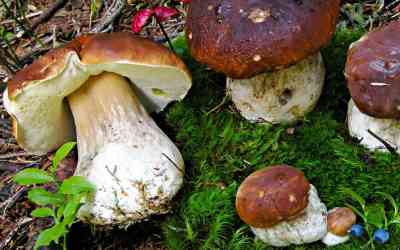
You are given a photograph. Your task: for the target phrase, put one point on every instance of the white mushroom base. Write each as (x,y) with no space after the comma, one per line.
(331,239)
(284,96)
(136,168)
(309,227)
(386,129)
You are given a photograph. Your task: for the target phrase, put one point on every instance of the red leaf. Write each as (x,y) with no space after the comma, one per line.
(163,13)
(140,19)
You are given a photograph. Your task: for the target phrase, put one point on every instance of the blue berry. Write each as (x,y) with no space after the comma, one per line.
(357,230)
(381,236)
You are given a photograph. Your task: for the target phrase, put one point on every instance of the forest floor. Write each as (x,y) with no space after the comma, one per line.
(219,147)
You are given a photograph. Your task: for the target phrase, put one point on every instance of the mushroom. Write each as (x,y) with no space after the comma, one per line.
(373,78)
(281,206)
(111,82)
(268,50)
(340,220)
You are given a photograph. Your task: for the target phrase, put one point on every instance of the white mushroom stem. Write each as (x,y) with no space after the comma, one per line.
(331,239)
(283,96)
(136,168)
(364,127)
(309,227)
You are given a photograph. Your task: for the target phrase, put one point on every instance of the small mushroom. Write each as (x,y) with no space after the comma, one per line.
(281,206)
(268,50)
(373,78)
(340,221)
(102,87)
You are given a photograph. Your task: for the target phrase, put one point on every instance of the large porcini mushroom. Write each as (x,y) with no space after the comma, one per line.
(373,78)
(268,50)
(110,81)
(340,220)
(281,206)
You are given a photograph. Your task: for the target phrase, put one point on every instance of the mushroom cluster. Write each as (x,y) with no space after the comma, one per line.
(101,88)
(268,50)
(373,78)
(281,206)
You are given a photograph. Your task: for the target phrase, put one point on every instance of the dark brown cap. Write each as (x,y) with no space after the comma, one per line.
(245,38)
(340,220)
(373,72)
(271,195)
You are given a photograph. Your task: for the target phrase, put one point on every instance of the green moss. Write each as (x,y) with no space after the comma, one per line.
(221,148)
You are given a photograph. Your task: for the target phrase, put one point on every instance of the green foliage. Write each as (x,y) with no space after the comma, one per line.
(61,153)
(374,215)
(220,149)
(62,204)
(31,176)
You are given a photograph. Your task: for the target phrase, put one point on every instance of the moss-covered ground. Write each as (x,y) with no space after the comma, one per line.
(221,148)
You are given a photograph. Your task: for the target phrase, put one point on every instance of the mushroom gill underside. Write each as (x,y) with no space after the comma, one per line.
(135,167)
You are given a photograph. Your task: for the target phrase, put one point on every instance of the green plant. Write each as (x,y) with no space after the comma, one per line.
(374,215)
(61,204)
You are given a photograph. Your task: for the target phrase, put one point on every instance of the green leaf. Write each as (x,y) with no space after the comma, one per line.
(60,211)
(71,208)
(392,202)
(42,197)
(354,196)
(358,212)
(31,176)
(61,153)
(76,185)
(375,215)
(49,235)
(42,212)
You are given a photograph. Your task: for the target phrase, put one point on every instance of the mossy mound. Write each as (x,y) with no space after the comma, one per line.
(221,148)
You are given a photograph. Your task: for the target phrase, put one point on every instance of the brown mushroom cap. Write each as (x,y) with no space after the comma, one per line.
(94,49)
(245,38)
(271,195)
(373,72)
(340,221)
(35,96)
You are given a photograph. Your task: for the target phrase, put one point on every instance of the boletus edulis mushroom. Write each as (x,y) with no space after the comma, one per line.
(267,49)
(373,78)
(340,220)
(101,88)
(281,206)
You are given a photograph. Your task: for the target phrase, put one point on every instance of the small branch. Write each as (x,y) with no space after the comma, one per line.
(12,155)
(173,163)
(385,143)
(166,35)
(9,237)
(47,14)
(112,13)
(11,200)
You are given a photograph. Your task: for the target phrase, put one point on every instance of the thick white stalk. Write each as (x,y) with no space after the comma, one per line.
(283,96)
(136,168)
(368,129)
(309,227)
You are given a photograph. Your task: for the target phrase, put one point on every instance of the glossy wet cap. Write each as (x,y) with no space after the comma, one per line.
(271,195)
(244,38)
(373,72)
(340,221)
